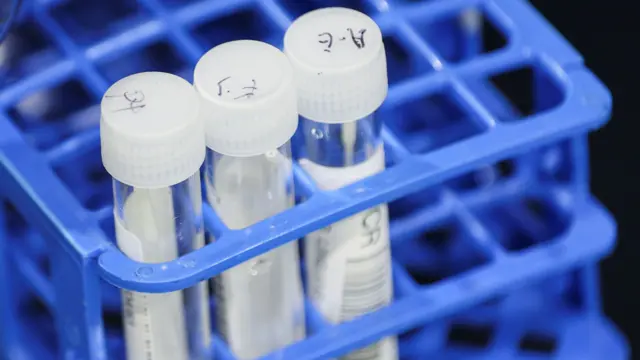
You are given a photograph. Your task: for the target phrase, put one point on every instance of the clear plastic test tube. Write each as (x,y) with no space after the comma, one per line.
(339,64)
(153,146)
(249,107)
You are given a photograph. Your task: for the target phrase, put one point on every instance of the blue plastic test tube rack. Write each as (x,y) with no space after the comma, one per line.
(495,236)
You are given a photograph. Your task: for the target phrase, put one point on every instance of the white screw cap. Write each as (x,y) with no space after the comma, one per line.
(150,132)
(248,98)
(339,63)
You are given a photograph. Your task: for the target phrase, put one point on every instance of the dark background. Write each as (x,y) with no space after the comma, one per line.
(607,34)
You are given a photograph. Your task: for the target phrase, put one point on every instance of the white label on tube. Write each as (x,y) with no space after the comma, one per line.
(349,262)
(154,324)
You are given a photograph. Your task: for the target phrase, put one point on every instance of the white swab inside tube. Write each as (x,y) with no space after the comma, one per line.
(349,136)
(153,145)
(249,109)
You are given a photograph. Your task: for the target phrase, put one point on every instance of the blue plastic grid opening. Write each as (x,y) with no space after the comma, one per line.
(53,115)
(449,119)
(432,121)
(246,22)
(402,64)
(27,47)
(159,56)
(99,19)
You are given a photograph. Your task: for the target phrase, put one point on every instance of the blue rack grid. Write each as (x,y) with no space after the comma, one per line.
(494,232)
